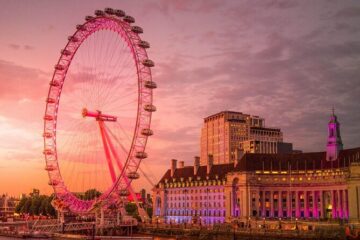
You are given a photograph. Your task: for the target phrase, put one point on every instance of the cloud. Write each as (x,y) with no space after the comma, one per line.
(28,47)
(17,46)
(17,82)
(348,12)
(14,46)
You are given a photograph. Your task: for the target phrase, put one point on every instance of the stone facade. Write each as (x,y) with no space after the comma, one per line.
(261,186)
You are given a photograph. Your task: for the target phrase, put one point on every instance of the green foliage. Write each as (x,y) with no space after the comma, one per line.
(91,194)
(36,205)
(131,209)
(20,205)
(149,211)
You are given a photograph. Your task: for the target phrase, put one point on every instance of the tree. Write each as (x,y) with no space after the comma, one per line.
(26,207)
(19,207)
(36,204)
(131,209)
(149,211)
(91,194)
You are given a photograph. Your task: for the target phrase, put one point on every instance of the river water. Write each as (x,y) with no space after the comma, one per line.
(136,237)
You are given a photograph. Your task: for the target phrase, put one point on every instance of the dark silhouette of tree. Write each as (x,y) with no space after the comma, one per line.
(91,194)
(36,204)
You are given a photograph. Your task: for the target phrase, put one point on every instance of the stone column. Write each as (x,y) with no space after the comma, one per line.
(343,199)
(314,205)
(271,203)
(341,204)
(333,210)
(338,204)
(321,195)
(280,204)
(306,204)
(288,203)
(263,203)
(347,203)
(297,207)
(257,201)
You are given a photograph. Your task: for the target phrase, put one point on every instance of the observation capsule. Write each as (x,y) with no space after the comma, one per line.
(50,100)
(59,67)
(65,52)
(47,135)
(53,183)
(144,44)
(48,117)
(137,29)
(129,19)
(109,11)
(150,84)
(50,168)
(148,63)
(99,13)
(147,132)
(141,155)
(54,83)
(124,193)
(80,27)
(89,18)
(133,175)
(119,13)
(73,39)
(149,108)
(48,151)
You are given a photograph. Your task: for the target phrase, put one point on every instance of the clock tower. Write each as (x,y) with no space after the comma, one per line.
(334,143)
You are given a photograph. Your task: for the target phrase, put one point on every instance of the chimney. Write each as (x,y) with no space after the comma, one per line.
(196,164)
(181,164)
(173,166)
(210,162)
(238,156)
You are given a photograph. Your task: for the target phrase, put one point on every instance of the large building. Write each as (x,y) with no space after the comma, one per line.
(7,206)
(318,185)
(226,132)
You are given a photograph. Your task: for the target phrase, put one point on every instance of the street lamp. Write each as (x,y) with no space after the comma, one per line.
(157,222)
(279,223)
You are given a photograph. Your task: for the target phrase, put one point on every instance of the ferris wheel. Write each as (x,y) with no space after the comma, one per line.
(98,111)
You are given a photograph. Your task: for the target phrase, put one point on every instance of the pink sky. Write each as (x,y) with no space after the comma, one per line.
(287,61)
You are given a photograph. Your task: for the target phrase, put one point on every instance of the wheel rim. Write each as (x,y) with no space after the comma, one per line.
(53,114)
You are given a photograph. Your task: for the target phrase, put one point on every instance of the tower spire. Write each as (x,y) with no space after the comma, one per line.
(334,142)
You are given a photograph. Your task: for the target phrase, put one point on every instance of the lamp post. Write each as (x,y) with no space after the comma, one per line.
(279,223)
(263,223)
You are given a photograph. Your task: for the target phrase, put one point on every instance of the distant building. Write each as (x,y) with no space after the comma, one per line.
(7,206)
(319,185)
(257,146)
(225,132)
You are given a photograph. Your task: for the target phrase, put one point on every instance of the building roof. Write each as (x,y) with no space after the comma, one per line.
(252,162)
(224,113)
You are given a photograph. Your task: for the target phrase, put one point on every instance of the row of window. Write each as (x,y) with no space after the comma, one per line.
(214,197)
(201,204)
(184,191)
(214,213)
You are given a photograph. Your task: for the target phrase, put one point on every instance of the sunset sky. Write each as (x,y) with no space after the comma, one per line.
(287,61)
